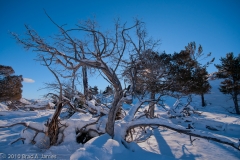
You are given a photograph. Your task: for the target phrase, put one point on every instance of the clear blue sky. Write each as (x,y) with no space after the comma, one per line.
(215,24)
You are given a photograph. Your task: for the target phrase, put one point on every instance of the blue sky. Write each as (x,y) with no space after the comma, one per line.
(215,24)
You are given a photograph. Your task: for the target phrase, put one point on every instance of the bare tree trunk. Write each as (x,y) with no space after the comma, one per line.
(133,73)
(152,106)
(236,102)
(117,103)
(73,85)
(203,101)
(73,88)
(52,132)
(85,81)
(112,113)
(53,125)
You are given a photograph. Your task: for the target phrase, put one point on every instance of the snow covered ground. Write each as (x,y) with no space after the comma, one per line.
(163,144)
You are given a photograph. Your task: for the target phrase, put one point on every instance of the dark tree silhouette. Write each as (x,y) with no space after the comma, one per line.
(151,75)
(10,85)
(97,47)
(190,76)
(94,90)
(229,70)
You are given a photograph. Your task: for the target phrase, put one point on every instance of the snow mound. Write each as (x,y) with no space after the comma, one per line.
(40,103)
(24,101)
(3,107)
(103,147)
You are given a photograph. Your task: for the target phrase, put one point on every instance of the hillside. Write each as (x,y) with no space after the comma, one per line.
(162,144)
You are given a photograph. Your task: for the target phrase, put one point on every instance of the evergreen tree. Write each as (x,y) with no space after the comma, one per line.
(182,69)
(108,90)
(229,70)
(10,85)
(94,90)
(189,75)
(149,74)
(202,85)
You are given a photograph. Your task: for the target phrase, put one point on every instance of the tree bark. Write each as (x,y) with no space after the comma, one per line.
(73,88)
(203,101)
(236,102)
(152,106)
(112,113)
(85,81)
(53,128)
(53,125)
(116,104)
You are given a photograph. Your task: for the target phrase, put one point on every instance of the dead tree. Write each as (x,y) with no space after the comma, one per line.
(53,128)
(98,48)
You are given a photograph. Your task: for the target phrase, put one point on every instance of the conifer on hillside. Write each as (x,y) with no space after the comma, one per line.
(10,85)
(229,70)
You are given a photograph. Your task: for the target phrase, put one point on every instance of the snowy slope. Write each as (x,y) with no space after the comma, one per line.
(163,144)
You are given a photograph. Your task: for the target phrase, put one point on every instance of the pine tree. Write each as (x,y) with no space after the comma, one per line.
(190,76)
(182,69)
(94,90)
(229,70)
(148,74)
(10,85)
(108,90)
(202,85)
